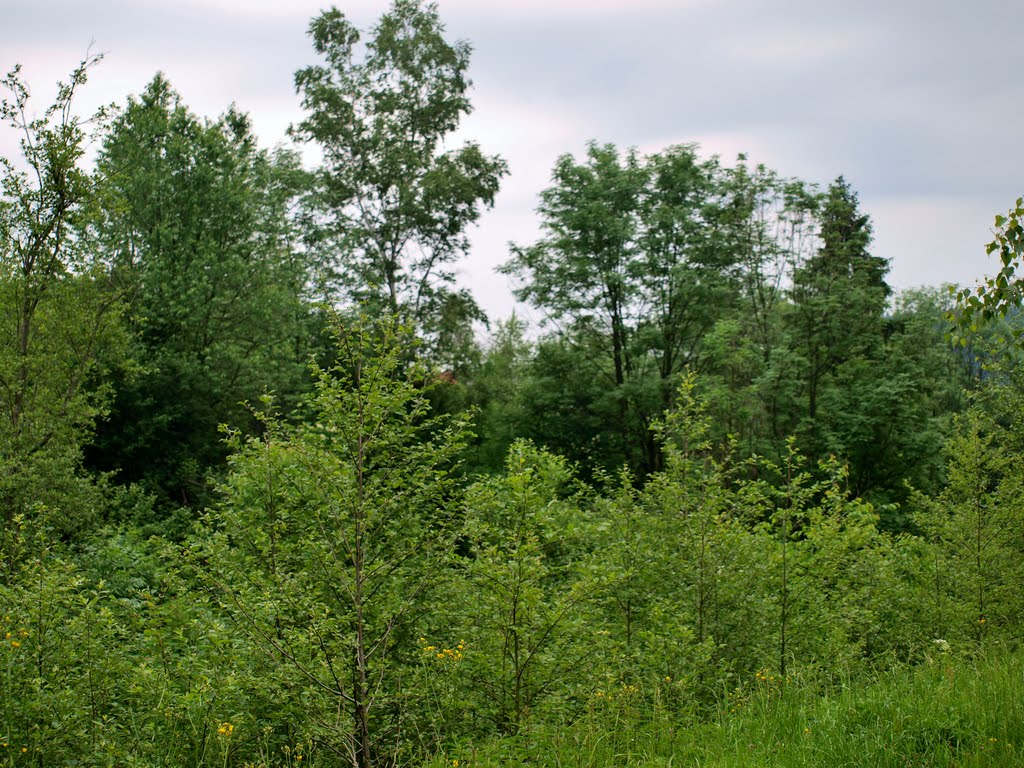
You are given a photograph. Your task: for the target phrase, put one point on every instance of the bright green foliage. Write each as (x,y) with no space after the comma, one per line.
(701,565)
(195,220)
(828,604)
(624,548)
(776,571)
(137,671)
(951,711)
(852,614)
(787,508)
(997,296)
(331,537)
(59,316)
(394,206)
(60,666)
(526,589)
(975,525)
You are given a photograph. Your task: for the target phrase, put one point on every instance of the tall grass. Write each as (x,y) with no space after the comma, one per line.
(966,712)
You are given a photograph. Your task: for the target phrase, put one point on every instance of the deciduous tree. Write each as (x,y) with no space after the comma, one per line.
(59,314)
(331,536)
(392,205)
(631,270)
(196,223)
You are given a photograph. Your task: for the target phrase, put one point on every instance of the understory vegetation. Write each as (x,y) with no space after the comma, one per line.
(273,493)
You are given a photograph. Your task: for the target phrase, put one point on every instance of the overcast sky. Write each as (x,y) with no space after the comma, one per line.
(920,105)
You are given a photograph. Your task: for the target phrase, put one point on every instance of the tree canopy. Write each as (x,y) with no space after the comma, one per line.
(391,205)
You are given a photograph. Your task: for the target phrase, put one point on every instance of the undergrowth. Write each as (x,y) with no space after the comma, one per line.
(966,712)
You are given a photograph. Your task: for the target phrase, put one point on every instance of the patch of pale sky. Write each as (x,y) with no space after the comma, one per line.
(490,248)
(512,124)
(777,148)
(263,10)
(367,11)
(371,9)
(534,10)
(795,48)
(948,232)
